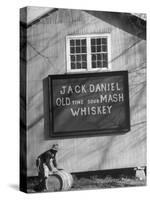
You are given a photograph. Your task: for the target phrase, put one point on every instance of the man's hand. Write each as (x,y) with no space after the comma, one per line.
(50,173)
(55,170)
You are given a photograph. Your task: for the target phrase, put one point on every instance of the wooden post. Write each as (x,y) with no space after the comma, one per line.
(140,173)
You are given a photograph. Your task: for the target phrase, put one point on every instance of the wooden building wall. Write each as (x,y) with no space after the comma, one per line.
(46,54)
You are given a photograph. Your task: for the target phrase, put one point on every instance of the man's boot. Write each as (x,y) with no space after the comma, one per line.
(45,184)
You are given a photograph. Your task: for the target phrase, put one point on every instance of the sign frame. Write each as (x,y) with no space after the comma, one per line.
(85,133)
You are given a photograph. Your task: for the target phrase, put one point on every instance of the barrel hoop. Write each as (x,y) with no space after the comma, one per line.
(64,179)
(68,179)
(60,179)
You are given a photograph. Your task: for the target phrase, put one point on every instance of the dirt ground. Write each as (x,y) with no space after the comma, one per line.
(96,182)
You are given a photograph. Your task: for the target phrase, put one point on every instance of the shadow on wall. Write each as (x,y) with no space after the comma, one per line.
(127,22)
(46,108)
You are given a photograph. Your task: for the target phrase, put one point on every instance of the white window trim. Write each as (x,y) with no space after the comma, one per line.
(89,63)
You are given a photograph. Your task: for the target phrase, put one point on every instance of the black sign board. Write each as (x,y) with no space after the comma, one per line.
(88,104)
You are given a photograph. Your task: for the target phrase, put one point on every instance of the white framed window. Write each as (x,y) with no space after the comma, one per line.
(88,52)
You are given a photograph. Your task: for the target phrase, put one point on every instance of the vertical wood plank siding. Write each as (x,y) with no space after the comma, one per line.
(46,54)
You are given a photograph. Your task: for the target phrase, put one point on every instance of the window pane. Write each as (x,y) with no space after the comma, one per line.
(99,64)
(77,49)
(104,48)
(93,64)
(83,57)
(83,49)
(92,41)
(104,40)
(98,41)
(77,42)
(78,65)
(72,65)
(83,42)
(78,57)
(72,50)
(72,42)
(105,56)
(93,49)
(98,48)
(105,64)
(84,65)
(99,57)
(72,58)
(93,57)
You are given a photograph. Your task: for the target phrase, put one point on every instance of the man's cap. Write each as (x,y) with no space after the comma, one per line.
(55,147)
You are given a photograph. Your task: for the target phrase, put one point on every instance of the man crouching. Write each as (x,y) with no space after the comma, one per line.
(47,165)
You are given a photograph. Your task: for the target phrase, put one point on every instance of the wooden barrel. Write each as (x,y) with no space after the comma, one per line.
(60,180)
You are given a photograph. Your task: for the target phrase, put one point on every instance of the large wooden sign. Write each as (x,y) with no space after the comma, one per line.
(88,104)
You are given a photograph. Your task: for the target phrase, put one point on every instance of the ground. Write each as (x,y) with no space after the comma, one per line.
(108,182)
(92,181)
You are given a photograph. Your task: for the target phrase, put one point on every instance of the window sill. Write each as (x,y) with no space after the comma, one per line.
(88,71)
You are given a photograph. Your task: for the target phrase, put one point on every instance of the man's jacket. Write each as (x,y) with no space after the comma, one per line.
(46,157)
